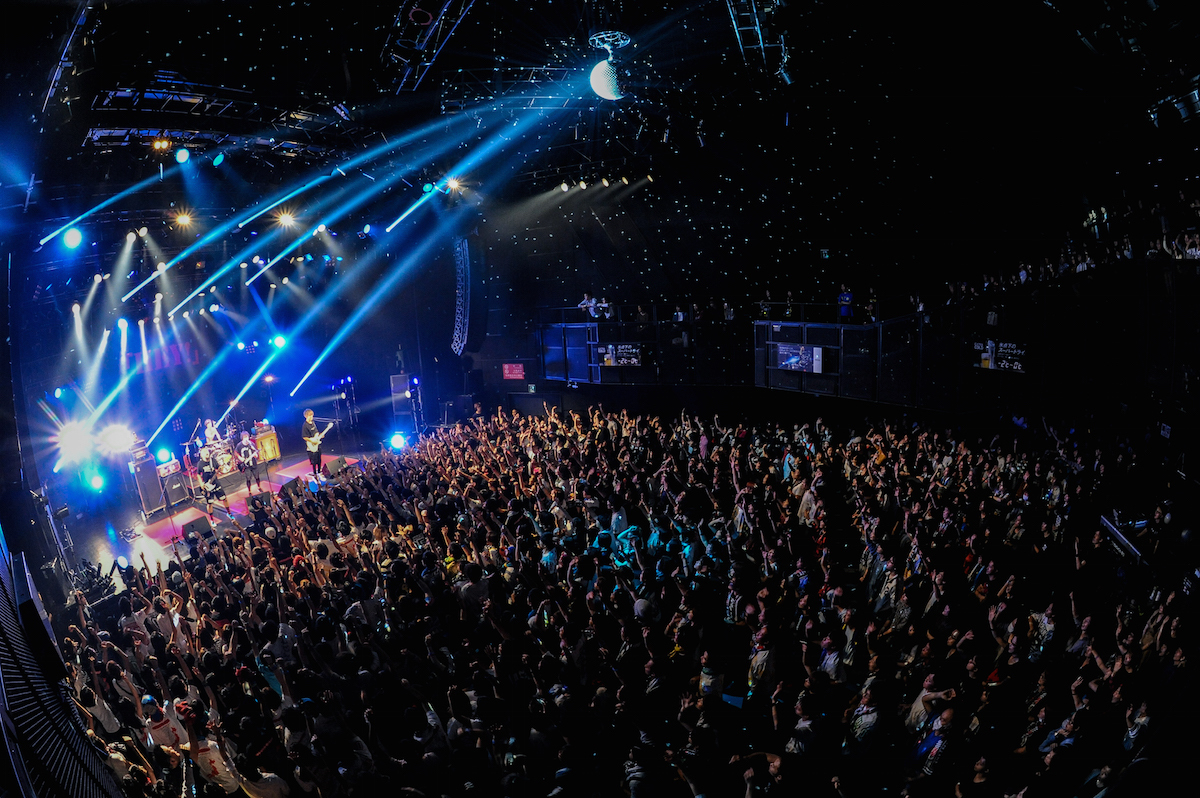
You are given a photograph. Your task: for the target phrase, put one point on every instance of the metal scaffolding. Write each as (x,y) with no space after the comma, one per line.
(755,41)
(187,112)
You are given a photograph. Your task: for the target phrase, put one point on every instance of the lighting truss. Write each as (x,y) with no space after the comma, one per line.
(754,41)
(417,38)
(187,112)
(68,63)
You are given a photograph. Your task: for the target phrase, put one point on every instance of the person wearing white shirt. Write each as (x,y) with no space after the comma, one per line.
(162,723)
(210,760)
(589,304)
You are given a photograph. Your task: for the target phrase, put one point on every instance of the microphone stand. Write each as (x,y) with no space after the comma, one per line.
(192,437)
(170,511)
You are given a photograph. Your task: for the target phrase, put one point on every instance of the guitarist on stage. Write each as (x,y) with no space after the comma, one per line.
(312,439)
(210,485)
(247,455)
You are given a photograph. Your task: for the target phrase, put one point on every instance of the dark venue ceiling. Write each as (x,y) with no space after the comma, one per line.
(944,136)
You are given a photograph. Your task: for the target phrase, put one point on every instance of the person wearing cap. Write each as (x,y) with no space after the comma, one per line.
(162,723)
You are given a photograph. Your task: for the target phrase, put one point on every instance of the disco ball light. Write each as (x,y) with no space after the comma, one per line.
(604,81)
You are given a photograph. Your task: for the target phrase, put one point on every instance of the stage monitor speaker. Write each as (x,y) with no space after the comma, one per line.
(200,527)
(177,489)
(335,467)
(296,486)
(149,487)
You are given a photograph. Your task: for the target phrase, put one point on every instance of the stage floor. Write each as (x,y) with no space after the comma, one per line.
(99,535)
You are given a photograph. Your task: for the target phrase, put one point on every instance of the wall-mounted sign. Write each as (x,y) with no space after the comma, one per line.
(799,357)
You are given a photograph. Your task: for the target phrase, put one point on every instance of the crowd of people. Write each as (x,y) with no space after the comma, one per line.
(603,604)
(1158,232)
(644,314)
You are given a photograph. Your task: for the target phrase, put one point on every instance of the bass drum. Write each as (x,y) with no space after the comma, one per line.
(223,457)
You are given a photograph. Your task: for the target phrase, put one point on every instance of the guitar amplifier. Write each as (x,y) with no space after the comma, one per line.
(268,446)
(167,469)
(177,489)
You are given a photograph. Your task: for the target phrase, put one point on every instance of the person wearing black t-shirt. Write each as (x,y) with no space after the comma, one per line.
(210,485)
(247,455)
(312,439)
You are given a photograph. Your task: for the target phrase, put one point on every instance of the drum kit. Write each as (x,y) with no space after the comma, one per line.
(221,449)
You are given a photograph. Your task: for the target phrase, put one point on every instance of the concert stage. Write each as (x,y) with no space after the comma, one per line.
(101,537)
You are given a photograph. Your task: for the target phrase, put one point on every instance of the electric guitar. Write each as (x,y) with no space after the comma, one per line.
(314,443)
(250,460)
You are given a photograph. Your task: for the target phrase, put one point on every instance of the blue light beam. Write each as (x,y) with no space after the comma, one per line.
(113,199)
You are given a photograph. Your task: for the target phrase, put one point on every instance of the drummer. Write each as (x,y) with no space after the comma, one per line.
(211,433)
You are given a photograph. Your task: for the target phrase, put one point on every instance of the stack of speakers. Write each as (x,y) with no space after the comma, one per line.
(157,492)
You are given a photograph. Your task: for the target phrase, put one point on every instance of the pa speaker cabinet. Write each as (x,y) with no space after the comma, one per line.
(149,487)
